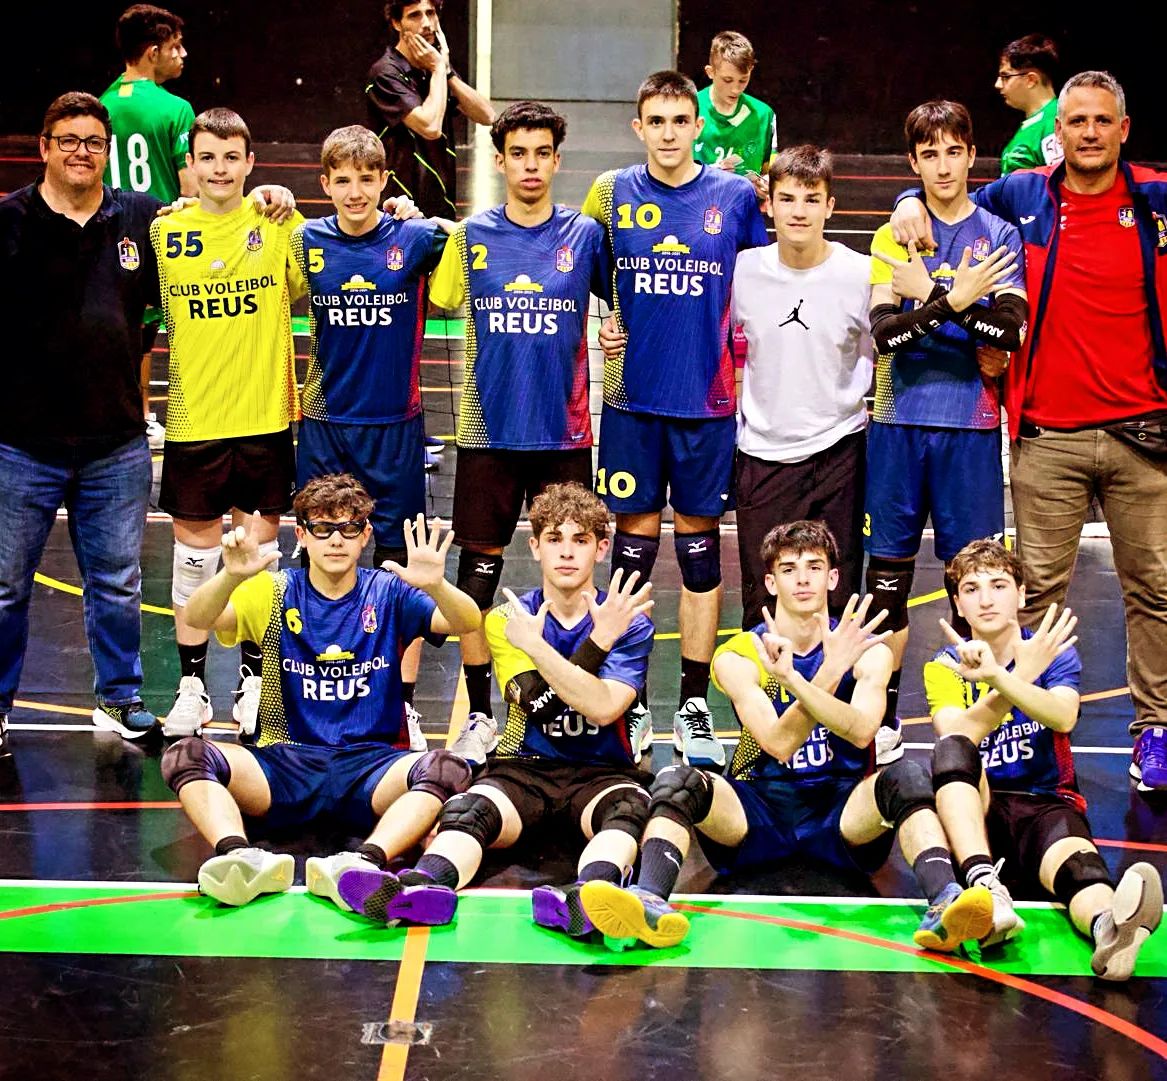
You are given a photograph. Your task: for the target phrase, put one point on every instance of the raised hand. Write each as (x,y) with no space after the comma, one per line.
(852,636)
(612,338)
(975,281)
(777,652)
(620,607)
(1051,638)
(910,279)
(524,630)
(425,557)
(974,659)
(241,556)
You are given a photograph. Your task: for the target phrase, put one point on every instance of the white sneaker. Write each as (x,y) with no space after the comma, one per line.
(1007,923)
(191,709)
(155,433)
(693,735)
(889,744)
(245,712)
(479,736)
(242,875)
(417,740)
(322,872)
(640,731)
(1135,912)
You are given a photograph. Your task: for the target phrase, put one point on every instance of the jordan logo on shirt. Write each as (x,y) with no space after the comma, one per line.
(794,317)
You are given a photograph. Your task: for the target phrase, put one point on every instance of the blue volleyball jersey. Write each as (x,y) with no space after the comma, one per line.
(674,252)
(526,380)
(367,317)
(825,754)
(1021,754)
(936,382)
(570,737)
(331,668)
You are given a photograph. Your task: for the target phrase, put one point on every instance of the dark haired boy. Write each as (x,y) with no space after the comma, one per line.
(331,736)
(1026,73)
(808,691)
(1004,703)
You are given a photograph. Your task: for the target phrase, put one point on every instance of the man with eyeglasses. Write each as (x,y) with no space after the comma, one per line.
(1025,79)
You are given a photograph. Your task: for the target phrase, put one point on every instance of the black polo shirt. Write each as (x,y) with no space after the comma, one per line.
(71,303)
(423,169)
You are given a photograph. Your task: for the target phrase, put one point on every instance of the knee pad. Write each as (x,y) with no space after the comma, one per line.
(266,549)
(955,758)
(192,567)
(1080,870)
(478,576)
(902,789)
(441,773)
(682,794)
(632,553)
(472,813)
(624,808)
(194,759)
(889,581)
(381,553)
(699,557)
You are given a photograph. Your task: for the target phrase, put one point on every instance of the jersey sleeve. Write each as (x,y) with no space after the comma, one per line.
(744,644)
(596,205)
(772,128)
(438,239)
(885,244)
(627,661)
(393,96)
(252,601)
(944,687)
(180,140)
(297,280)
(509,661)
(601,279)
(1065,670)
(754,233)
(994,198)
(415,613)
(448,283)
(1009,236)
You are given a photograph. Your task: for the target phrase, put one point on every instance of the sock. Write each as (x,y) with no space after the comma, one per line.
(893,699)
(192,660)
(439,869)
(407,692)
(229,844)
(975,868)
(478,687)
(694,680)
(600,871)
(375,854)
(660,864)
(251,657)
(933,870)
(411,876)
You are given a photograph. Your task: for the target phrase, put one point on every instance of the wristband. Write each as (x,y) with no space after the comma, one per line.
(589,656)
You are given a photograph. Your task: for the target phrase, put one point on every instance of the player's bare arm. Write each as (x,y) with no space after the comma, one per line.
(209,607)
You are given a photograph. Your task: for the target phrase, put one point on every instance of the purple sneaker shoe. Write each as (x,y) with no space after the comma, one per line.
(558,908)
(383,897)
(1149,764)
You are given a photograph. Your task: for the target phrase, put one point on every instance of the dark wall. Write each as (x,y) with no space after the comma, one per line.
(846,75)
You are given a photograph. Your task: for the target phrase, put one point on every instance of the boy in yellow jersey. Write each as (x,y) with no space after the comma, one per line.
(227,280)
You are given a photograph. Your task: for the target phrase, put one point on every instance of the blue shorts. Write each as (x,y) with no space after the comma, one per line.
(643,456)
(954,474)
(310,782)
(787,820)
(388,459)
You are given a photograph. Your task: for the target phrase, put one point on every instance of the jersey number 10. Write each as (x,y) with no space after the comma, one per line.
(137,163)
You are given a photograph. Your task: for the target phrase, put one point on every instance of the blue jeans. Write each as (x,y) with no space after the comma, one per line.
(107,499)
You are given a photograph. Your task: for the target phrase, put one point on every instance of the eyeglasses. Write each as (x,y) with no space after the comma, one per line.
(1005,76)
(322,530)
(95,144)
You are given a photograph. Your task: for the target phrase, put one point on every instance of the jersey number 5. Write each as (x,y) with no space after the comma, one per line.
(184,244)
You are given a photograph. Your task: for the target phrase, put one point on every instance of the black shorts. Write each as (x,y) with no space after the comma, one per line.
(1023,826)
(491,485)
(540,789)
(204,480)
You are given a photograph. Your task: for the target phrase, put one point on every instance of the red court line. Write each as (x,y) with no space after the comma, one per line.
(125,805)
(1124,1028)
(1139,846)
(90,902)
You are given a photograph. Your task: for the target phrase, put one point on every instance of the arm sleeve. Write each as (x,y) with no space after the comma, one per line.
(1002,325)
(253,601)
(393,96)
(448,283)
(892,327)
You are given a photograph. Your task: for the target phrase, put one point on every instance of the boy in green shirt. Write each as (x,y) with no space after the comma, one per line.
(1025,79)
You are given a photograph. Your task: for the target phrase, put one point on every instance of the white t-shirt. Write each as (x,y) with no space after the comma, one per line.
(810,352)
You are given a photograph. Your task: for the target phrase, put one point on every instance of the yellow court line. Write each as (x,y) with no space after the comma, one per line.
(65,587)
(405,995)
(48,707)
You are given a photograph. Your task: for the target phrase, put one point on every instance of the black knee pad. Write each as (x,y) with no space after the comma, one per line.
(478,576)
(472,813)
(955,758)
(682,794)
(1080,870)
(382,552)
(624,808)
(889,581)
(194,759)
(632,553)
(699,557)
(440,773)
(902,789)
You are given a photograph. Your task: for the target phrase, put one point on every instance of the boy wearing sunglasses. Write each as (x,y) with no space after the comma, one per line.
(331,737)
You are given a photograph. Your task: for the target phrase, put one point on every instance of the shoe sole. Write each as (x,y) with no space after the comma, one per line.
(106,723)
(968,918)
(620,914)
(233,883)
(890,756)
(999,938)
(322,884)
(696,760)
(487,749)
(550,908)
(1138,910)
(382,897)
(1137,773)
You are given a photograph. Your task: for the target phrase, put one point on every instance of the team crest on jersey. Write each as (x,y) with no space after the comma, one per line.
(565,260)
(128,254)
(1126,217)
(1161,226)
(369,619)
(713,221)
(394,258)
(981,249)
(254,240)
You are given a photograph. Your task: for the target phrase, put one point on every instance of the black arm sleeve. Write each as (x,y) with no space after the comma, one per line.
(1002,325)
(533,694)
(892,329)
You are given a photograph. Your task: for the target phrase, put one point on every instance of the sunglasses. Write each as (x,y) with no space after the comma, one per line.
(322,530)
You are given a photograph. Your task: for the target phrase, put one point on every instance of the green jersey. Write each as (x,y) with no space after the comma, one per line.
(1035,142)
(151,127)
(749,135)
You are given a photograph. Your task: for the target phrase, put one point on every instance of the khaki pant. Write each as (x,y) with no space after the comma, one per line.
(1054,477)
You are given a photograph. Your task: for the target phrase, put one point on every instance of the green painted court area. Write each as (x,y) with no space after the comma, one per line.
(496,928)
